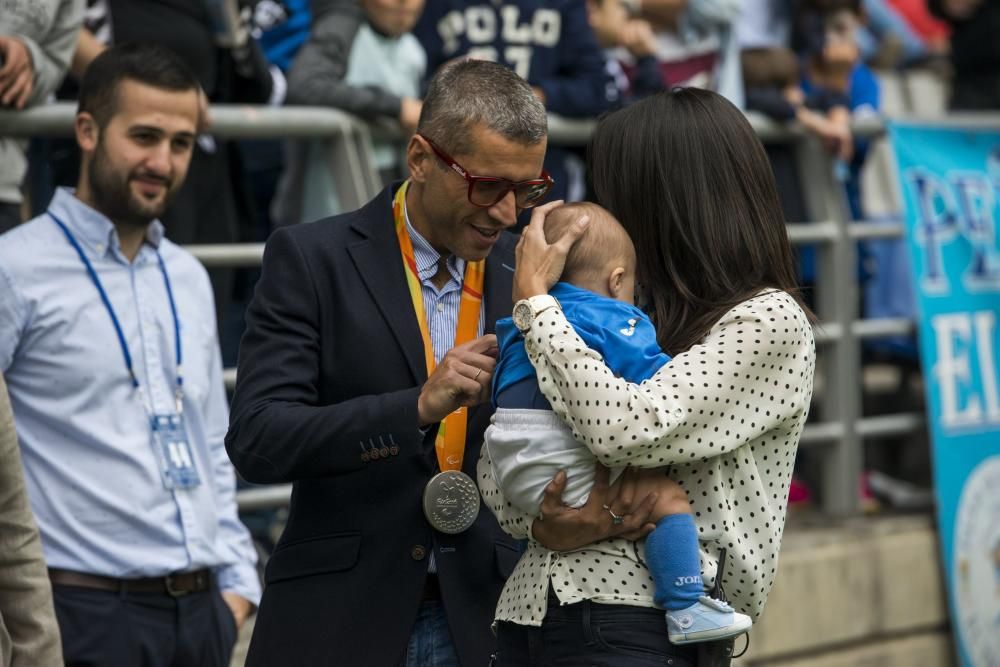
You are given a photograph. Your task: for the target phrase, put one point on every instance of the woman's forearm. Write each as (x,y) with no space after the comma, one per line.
(707,401)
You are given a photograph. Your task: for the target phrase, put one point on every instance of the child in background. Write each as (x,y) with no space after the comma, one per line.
(772,84)
(360,58)
(834,80)
(839,85)
(528,443)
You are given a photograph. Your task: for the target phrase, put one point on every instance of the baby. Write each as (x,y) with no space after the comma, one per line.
(528,443)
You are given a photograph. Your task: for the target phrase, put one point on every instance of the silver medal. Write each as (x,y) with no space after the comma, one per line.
(451,501)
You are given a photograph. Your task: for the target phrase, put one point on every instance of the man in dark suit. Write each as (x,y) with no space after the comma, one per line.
(351,360)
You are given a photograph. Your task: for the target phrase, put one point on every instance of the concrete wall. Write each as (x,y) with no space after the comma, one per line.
(867,591)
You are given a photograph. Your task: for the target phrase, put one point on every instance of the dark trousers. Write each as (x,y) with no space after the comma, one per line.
(596,635)
(105,629)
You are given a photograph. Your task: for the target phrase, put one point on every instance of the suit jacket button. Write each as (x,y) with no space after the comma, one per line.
(418,552)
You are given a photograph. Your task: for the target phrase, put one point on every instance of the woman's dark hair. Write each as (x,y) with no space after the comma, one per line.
(687,177)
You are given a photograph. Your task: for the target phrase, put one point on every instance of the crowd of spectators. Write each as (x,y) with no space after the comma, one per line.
(805,60)
(809,61)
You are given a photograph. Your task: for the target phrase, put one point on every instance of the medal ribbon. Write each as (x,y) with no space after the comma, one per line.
(450,440)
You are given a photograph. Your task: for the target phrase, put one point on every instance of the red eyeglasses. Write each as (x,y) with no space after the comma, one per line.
(485,191)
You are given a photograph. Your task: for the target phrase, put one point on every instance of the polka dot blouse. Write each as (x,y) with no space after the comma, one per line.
(725,416)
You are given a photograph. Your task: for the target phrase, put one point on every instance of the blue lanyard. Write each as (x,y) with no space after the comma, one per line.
(114,318)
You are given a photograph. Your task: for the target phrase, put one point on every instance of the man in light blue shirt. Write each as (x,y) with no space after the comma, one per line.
(108,345)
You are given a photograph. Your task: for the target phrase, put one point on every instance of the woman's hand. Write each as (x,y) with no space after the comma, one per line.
(563,528)
(539,263)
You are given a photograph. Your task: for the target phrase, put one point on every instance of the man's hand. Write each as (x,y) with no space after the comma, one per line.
(462,378)
(563,528)
(240,606)
(17,75)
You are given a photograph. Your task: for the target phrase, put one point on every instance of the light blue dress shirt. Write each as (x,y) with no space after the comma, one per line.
(440,305)
(91,471)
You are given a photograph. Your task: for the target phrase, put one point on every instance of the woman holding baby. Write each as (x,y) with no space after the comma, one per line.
(687,178)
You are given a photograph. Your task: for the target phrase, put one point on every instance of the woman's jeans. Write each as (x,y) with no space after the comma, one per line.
(588,634)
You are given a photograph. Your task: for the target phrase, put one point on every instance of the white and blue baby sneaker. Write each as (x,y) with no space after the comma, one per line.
(705,620)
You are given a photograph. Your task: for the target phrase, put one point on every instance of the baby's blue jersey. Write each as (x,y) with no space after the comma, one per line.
(619,332)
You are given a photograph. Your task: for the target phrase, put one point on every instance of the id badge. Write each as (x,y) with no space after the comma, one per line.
(174,452)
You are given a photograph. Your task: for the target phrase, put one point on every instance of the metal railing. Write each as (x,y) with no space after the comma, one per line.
(842,430)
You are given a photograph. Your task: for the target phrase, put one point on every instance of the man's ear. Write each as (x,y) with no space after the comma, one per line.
(88,133)
(419,159)
(616,281)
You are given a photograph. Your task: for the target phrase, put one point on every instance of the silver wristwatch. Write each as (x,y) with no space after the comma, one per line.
(526,310)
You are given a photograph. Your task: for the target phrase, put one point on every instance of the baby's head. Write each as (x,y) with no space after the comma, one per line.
(603,259)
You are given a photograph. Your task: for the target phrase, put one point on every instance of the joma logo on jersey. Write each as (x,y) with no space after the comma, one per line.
(483,24)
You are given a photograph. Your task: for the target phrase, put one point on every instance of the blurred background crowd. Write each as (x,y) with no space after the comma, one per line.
(821,64)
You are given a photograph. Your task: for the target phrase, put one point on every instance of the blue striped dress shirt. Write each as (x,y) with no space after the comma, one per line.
(440,305)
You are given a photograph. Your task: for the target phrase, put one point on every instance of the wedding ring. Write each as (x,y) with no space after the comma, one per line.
(615,519)
(478,373)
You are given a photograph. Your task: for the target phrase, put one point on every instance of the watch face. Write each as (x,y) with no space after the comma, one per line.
(523,314)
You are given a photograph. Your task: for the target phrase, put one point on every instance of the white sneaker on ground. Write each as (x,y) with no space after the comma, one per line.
(705,620)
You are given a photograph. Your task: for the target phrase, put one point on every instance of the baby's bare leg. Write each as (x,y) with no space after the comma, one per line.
(671,497)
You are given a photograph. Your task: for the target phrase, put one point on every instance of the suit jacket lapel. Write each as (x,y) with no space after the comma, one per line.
(380,265)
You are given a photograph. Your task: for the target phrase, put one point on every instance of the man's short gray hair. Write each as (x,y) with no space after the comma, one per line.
(478,92)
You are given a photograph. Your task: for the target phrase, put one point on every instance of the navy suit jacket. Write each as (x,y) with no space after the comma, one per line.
(332,363)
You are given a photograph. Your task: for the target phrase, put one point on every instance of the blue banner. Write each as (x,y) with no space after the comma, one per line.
(950,180)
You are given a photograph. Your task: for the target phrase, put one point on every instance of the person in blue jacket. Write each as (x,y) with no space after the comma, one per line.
(837,84)
(549,43)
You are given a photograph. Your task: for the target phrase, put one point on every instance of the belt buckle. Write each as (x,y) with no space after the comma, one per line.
(171,591)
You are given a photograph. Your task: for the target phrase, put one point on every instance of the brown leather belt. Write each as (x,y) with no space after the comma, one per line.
(174,585)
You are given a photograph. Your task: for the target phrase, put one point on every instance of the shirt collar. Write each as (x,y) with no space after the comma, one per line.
(92,228)
(427,257)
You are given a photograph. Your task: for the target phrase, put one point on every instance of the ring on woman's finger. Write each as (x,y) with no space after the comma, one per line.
(615,519)
(478,373)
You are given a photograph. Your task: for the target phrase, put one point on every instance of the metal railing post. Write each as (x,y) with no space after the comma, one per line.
(837,305)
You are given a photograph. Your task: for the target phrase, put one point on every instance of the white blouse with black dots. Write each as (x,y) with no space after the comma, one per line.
(725,416)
